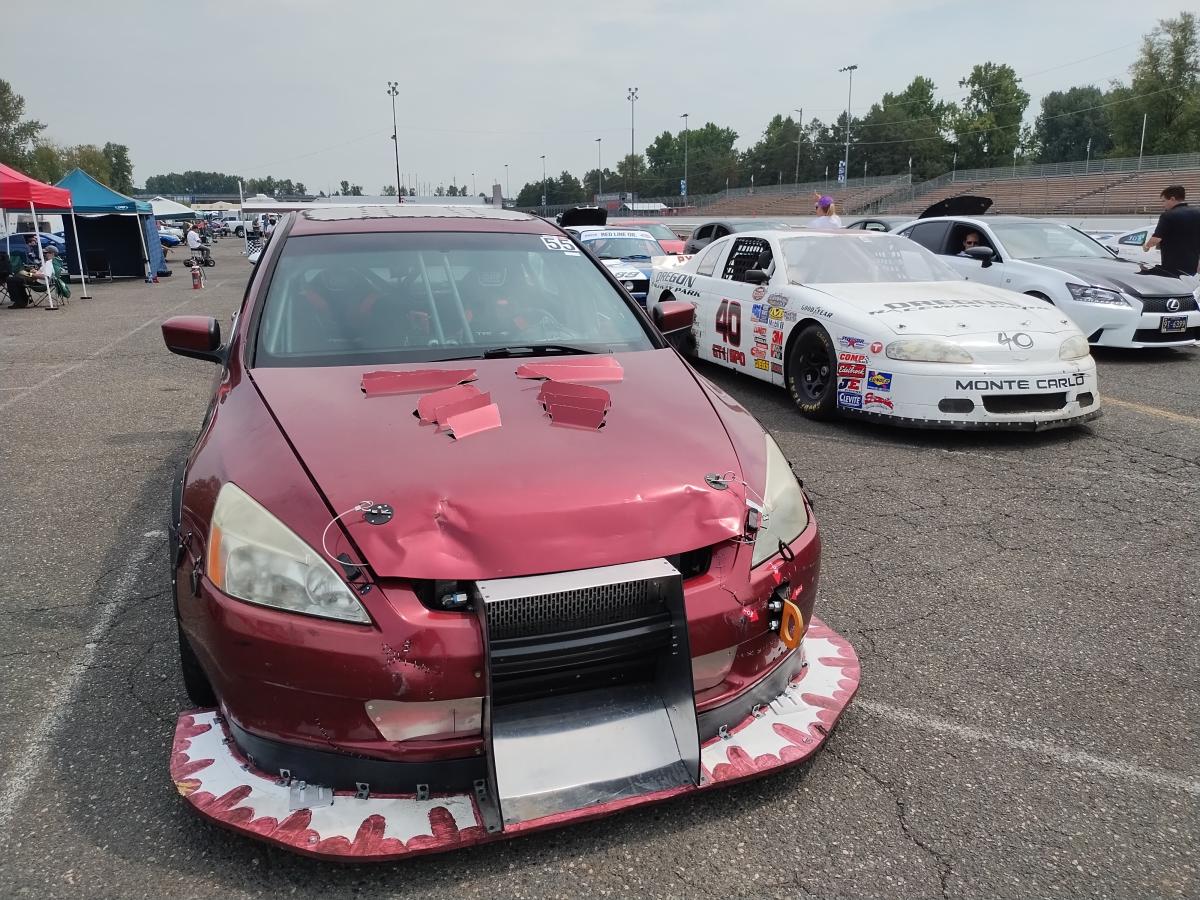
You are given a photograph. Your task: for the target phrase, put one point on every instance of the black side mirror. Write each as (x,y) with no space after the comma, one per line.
(755,276)
(983,254)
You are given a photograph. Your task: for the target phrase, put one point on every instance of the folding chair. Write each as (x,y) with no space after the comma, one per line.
(96,262)
(5,271)
(59,287)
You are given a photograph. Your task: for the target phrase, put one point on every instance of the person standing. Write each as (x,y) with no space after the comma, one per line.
(1177,234)
(827,218)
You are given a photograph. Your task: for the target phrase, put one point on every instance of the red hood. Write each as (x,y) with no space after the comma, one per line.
(528,497)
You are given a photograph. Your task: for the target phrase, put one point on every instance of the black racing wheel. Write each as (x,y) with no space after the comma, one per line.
(812,373)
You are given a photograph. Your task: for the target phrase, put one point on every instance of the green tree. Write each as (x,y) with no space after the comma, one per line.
(989,124)
(1068,121)
(91,159)
(775,152)
(567,189)
(910,125)
(120,167)
(1165,87)
(46,163)
(440,192)
(530,195)
(344,187)
(388,190)
(17,134)
(594,178)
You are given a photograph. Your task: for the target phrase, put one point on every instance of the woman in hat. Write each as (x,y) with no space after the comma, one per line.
(827,218)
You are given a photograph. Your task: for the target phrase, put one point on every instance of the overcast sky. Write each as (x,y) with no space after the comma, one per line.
(298,88)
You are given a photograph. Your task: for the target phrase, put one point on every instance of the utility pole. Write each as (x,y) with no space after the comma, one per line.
(683,188)
(599,169)
(1087,165)
(507,188)
(632,188)
(1142,146)
(393,90)
(543,185)
(799,138)
(849,98)
(474,188)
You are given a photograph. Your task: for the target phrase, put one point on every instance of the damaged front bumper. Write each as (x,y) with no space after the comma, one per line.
(222,784)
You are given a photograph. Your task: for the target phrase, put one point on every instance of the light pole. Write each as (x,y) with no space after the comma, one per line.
(632,98)
(1087,165)
(543,185)
(599,169)
(683,187)
(506,185)
(1014,175)
(849,97)
(1142,145)
(393,90)
(799,138)
(474,187)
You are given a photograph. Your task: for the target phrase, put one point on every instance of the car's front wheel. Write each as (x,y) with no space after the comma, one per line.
(812,373)
(240,232)
(195,682)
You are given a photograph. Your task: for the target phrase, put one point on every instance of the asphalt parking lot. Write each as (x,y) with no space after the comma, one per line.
(1025,608)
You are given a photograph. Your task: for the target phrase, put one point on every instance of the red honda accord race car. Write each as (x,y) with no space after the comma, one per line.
(465,549)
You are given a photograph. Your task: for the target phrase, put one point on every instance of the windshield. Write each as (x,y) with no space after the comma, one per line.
(1032,240)
(364,299)
(866,258)
(660,232)
(607,247)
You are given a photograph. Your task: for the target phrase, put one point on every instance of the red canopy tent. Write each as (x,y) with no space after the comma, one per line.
(18,190)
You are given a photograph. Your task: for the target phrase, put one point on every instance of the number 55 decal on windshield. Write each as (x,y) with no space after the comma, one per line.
(729,322)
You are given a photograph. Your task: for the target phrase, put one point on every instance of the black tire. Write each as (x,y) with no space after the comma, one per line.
(812,373)
(240,232)
(210,262)
(195,682)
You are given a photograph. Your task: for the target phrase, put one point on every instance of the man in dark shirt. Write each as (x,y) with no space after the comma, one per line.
(1177,234)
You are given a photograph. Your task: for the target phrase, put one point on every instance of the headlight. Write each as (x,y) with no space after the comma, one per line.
(928,350)
(1086,294)
(1073,348)
(629,285)
(255,557)
(786,515)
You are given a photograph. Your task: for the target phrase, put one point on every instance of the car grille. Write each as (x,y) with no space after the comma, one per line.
(1154,336)
(1187,303)
(571,610)
(1015,404)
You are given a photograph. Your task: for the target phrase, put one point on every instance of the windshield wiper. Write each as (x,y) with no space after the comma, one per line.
(636,256)
(533,350)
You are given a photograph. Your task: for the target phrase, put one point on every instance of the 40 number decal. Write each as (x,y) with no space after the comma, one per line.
(729,322)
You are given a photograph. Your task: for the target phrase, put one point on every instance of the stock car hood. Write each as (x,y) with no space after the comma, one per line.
(528,497)
(626,270)
(943,308)
(1120,274)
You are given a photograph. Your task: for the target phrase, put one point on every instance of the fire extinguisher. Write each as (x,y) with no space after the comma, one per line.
(195,277)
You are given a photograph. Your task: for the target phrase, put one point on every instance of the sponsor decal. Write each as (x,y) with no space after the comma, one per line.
(758,312)
(1020,384)
(851,370)
(1018,339)
(760,331)
(777,300)
(720,351)
(913,305)
(816,311)
(790,315)
(762,364)
(876,346)
(737,357)
(850,384)
(852,357)
(850,400)
(777,350)
(758,351)
(881,381)
(854,343)
(775,314)
(876,400)
(759,292)
(777,368)
(626,274)
(678,282)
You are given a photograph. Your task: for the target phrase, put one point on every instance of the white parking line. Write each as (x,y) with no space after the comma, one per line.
(1065,755)
(67,371)
(34,753)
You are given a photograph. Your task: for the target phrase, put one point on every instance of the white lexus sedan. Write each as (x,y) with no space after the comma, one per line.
(1115,302)
(873,325)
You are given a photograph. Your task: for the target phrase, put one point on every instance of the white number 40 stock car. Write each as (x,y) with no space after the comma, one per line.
(874,325)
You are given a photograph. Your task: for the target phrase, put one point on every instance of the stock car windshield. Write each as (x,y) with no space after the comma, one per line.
(621,247)
(866,258)
(396,297)
(1032,240)
(659,232)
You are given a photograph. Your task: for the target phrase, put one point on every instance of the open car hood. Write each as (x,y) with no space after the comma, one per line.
(528,497)
(583,215)
(962,205)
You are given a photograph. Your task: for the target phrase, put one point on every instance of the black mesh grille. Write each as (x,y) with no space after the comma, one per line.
(1187,303)
(1154,336)
(1023,403)
(571,610)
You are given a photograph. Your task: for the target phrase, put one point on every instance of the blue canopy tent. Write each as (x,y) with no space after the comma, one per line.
(121,227)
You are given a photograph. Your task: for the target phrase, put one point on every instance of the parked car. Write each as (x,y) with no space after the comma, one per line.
(872,325)
(1128,245)
(231,224)
(878,223)
(584,579)
(667,239)
(626,252)
(706,233)
(1115,302)
(15,245)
